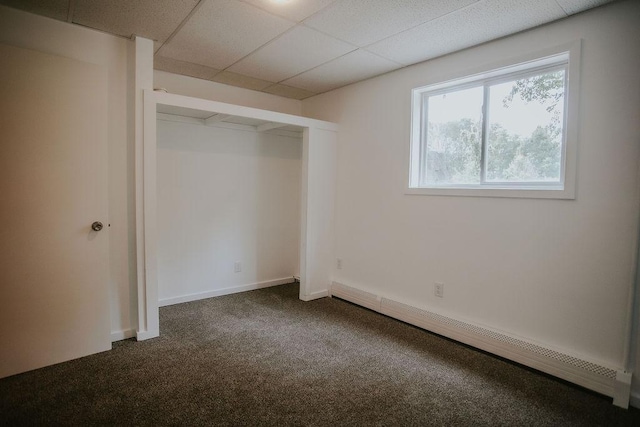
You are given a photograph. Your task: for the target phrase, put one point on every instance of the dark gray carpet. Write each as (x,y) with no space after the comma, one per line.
(267,358)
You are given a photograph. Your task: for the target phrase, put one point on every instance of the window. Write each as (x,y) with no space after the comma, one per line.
(500,133)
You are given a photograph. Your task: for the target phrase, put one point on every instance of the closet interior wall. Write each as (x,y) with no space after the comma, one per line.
(228,209)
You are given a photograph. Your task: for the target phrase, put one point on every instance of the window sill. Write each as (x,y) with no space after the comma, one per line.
(520,193)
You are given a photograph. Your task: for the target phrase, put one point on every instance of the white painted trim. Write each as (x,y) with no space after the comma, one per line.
(143,64)
(268,126)
(488,191)
(315,295)
(588,374)
(248,128)
(224,291)
(122,335)
(281,132)
(622,389)
(146,335)
(215,119)
(238,110)
(165,117)
(634,400)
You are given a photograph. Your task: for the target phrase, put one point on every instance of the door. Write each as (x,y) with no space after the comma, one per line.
(54,297)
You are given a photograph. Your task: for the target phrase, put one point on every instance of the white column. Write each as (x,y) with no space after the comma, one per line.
(143,66)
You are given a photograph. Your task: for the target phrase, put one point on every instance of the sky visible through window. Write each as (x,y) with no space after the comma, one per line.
(520,118)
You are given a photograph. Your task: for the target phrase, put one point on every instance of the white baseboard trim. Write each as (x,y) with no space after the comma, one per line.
(593,376)
(622,389)
(145,335)
(122,335)
(314,295)
(224,291)
(634,399)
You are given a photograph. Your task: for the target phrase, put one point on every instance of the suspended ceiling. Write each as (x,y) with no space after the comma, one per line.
(299,48)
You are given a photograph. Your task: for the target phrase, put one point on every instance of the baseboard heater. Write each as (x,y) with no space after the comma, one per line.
(601,379)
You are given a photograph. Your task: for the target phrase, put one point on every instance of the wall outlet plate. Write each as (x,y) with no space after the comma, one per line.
(237,267)
(438,290)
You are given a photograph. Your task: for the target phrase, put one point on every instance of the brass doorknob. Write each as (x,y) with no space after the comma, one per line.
(96,226)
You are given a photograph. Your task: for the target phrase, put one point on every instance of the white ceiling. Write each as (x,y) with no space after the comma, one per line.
(303,47)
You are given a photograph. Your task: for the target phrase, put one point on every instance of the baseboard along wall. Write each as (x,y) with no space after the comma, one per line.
(602,379)
(634,400)
(122,335)
(315,295)
(225,291)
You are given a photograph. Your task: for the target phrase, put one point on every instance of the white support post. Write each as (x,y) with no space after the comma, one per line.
(318,199)
(143,66)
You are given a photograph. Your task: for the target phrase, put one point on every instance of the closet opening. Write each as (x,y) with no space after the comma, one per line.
(230,199)
(228,204)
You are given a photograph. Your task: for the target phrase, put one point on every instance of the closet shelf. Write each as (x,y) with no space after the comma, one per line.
(207,118)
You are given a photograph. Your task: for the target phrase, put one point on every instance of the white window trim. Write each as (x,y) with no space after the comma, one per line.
(538,59)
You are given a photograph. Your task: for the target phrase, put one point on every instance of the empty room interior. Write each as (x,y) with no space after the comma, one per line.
(320,212)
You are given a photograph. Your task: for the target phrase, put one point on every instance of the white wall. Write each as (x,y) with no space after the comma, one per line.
(225,195)
(552,271)
(197,88)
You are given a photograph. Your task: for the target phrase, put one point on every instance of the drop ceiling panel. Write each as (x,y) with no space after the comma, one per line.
(294,52)
(56,9)
(223,31)
(352,67)
(184,68)
(256,43)
(296,10)
(575,6)
(481,22)
(365,22)
(152,19)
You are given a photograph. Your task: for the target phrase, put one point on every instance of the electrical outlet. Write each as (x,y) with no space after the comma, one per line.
(237,267)
(438,290)
(339,263)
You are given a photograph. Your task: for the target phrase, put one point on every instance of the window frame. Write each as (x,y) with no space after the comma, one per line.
(565,57)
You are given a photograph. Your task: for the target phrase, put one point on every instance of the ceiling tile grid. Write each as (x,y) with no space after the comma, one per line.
(56,9)
(184,68)
(478,23)
(295,10)
(349,68)
(223,31)
(365,22)
(298,48)
(234,79)
(294,52)
(288,91)
(152,19)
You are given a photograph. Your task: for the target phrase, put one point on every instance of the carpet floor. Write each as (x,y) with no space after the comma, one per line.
(266,358)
